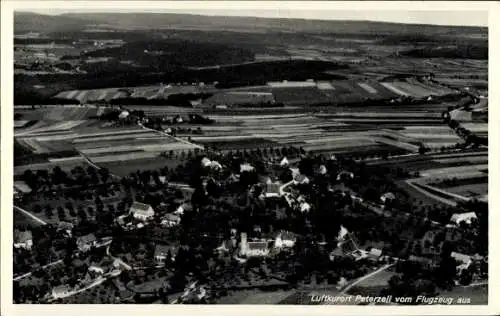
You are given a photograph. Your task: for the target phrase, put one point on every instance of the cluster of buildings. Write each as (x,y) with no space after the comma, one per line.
(141,214)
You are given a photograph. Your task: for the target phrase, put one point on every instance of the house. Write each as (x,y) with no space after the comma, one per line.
(205,162)
(305,207)
(162,252)
(284,162)
(322,170)
(66,228)
(253,248)
(464,261)
(375,252)
(23,239)
(171,220)
(85,243)
(285,240)
(343,233)
(61,291)
(272,189)
(457,218)
(141,211)
(345,175)
(387,197)
(123,115)
(22,187)
(300,179)
(246,167)
(96,269)
(182,208)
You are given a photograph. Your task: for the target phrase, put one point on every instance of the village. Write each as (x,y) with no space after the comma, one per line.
(242,216)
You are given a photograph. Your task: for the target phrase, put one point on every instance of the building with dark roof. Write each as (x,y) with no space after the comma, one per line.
(85,243)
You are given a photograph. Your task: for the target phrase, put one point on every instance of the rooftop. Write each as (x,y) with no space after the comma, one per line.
(87,238)
(257,245)
(24,236)
(140,206)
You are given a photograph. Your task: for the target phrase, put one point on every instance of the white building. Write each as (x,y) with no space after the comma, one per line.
(457,218)
(305,207)
(141,211)
(253,248)
(284,240)
(464,261)
(322,169)
(300,179)
(246,167)
(23,240)
(96,269)
(284,162)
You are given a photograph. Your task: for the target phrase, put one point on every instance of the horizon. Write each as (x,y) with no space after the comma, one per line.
(477,18)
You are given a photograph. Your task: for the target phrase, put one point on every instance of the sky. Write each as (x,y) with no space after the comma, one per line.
(456,15)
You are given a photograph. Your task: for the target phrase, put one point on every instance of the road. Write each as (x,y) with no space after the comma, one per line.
(39,220)
(361,279)
(120,261)
(170,136)
(30,273)
(96,282)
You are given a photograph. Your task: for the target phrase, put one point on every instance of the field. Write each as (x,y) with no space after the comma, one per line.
(355,130)
(68,132)
(147,92)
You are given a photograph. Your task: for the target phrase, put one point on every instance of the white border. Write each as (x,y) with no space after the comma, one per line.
(7,8)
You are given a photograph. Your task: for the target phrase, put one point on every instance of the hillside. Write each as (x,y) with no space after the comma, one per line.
(25,22)
(32,22)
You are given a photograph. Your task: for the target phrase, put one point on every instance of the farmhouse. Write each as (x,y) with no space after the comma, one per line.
(23,240)
(253,248)
(85,243)
(141,211)
(457,218)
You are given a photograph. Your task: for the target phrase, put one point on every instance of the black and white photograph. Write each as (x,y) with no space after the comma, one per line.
(259,156)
